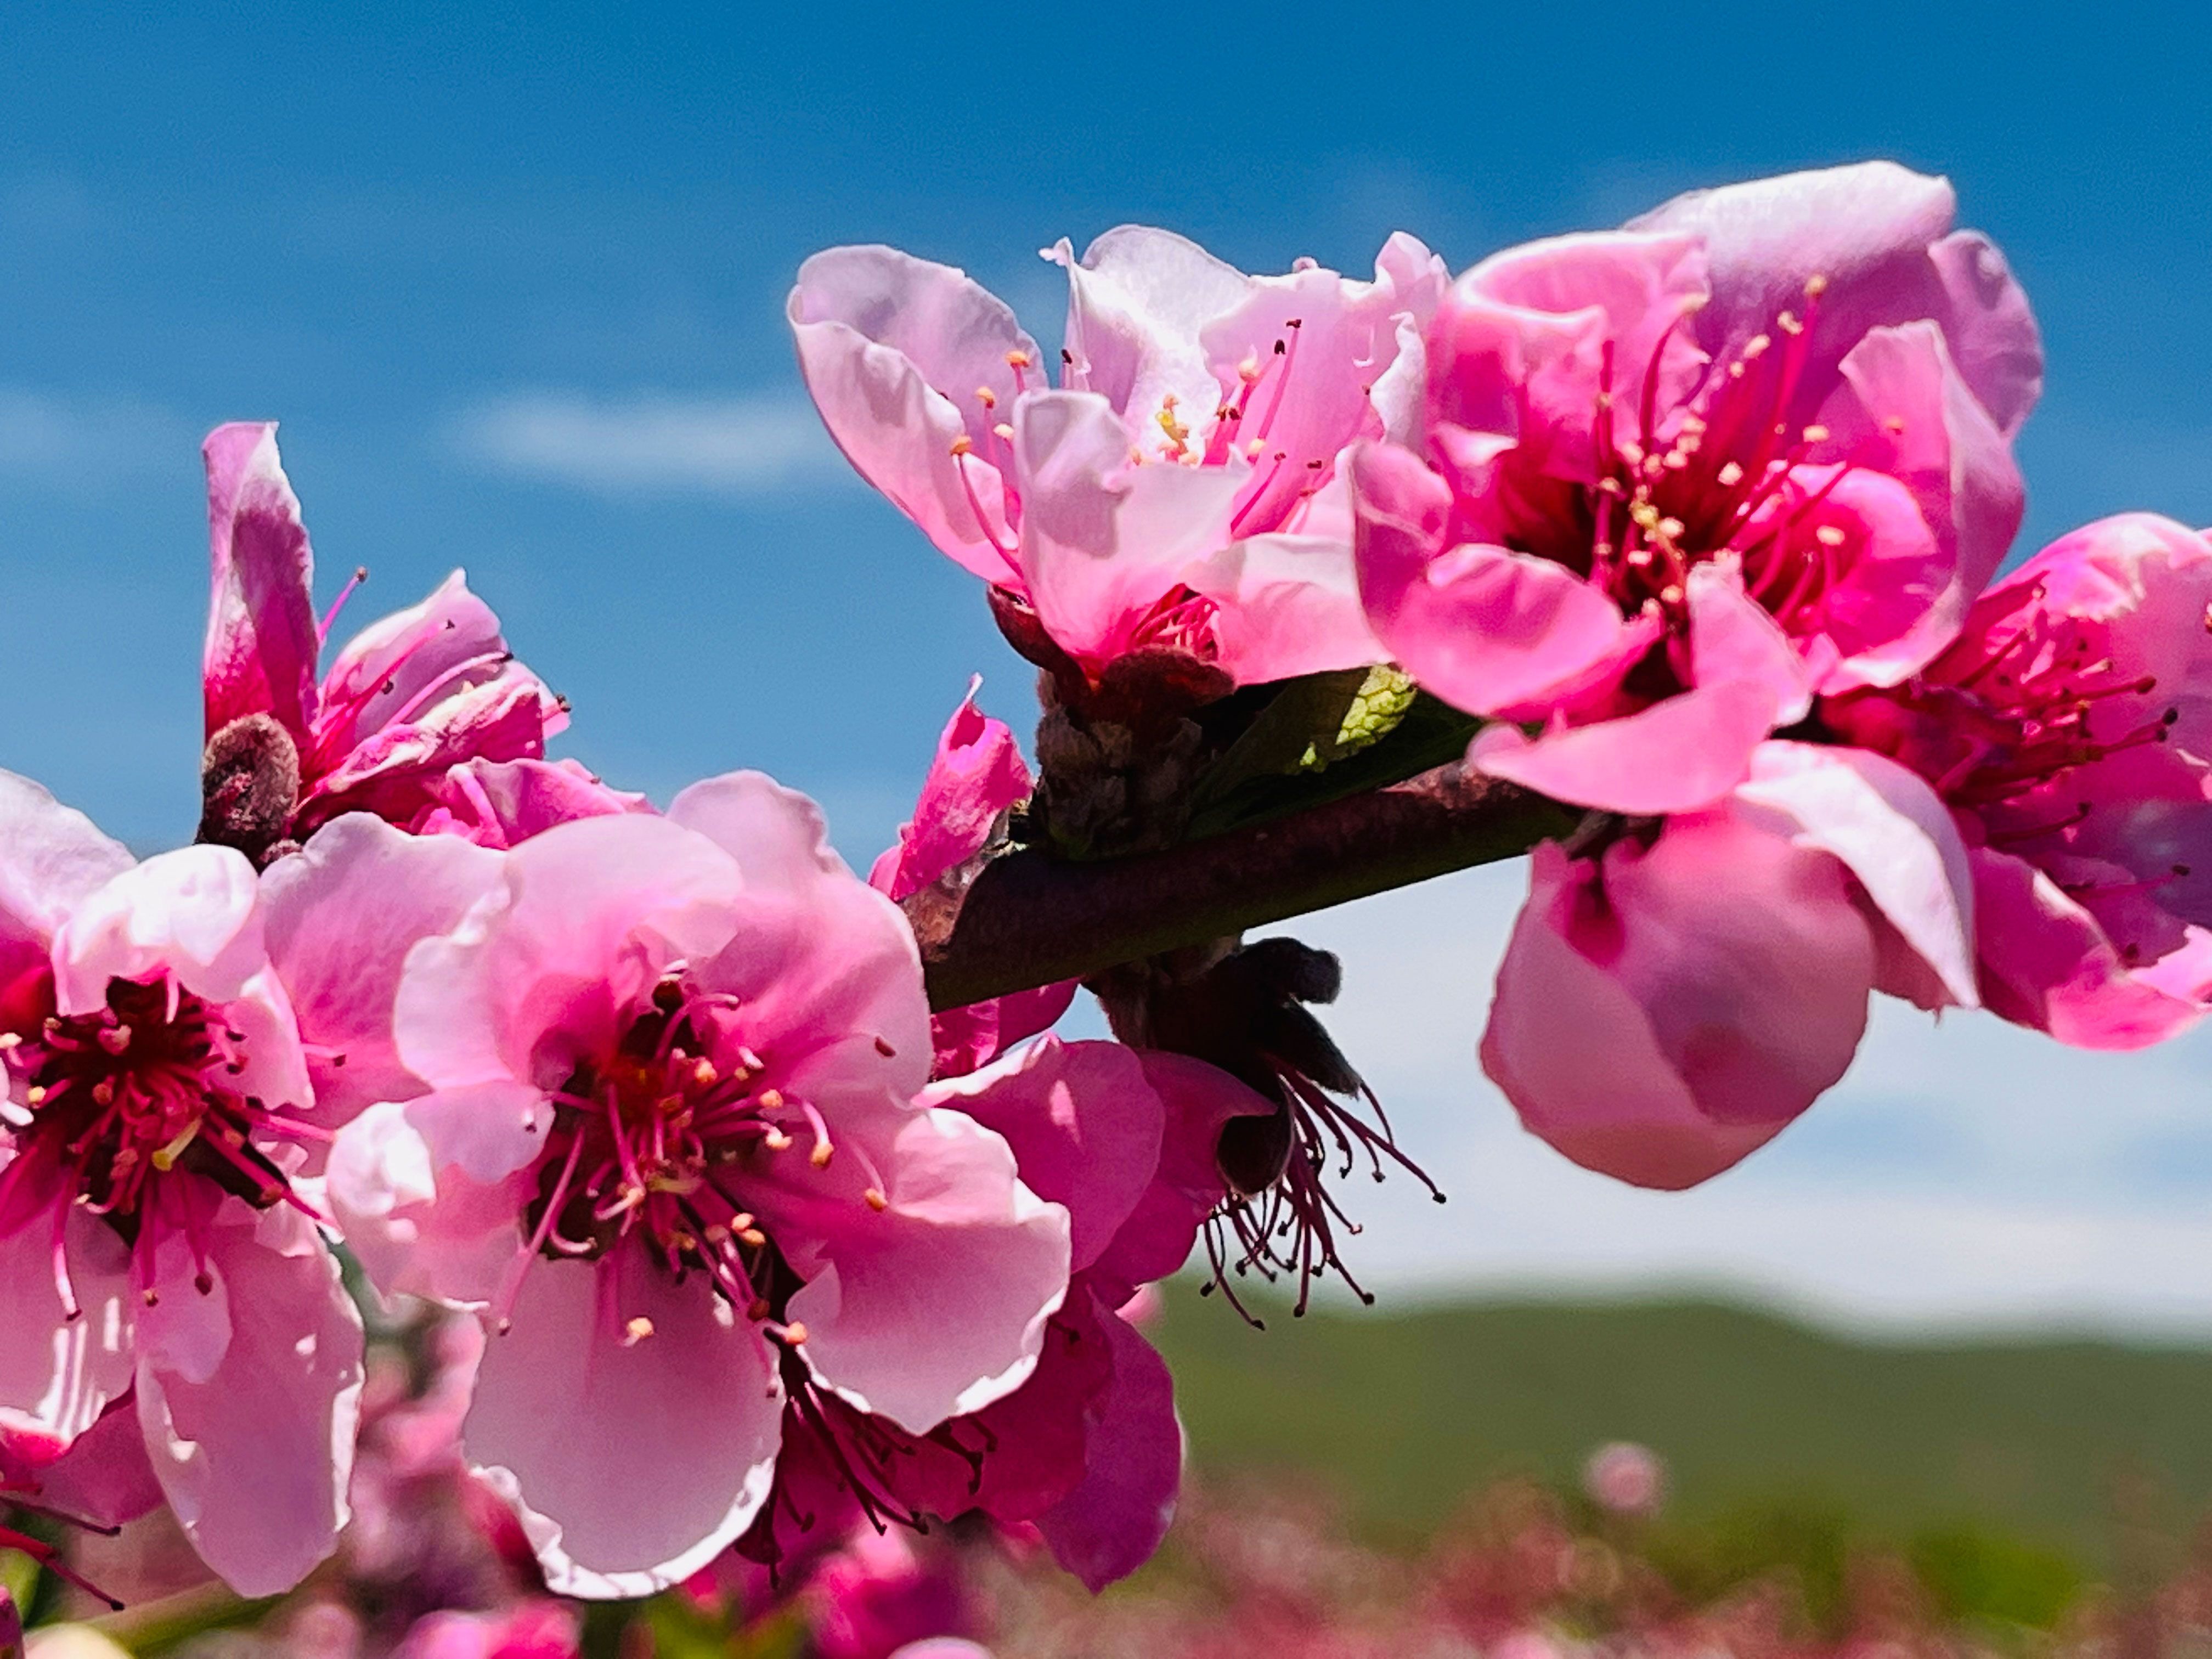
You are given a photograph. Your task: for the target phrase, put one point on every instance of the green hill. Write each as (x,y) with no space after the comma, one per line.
(2079,1446)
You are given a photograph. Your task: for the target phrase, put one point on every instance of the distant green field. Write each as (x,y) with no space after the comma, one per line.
(2081,1447)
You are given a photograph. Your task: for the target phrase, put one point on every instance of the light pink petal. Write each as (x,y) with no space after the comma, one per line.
(1157,1238)
(1084,1125)
(1137,305)
(262,642)
(1320,343)
(498,803)
(55,858)
(935,1305)
(339,918)
(400,664)
(978,773)
(2046,963)
(1660,1019)
(256,1459)
(1113,1523)
(1288,605)
(58,1373)
(1989,327)
(1482,628)
(1520,342)
(1103,539)
(192,914)
(826,967)
(1891,606)
(1890,830)
(591,914)
(1675,757)
(632,1459)
(399,771)
(1732,639)
(183,1331)
(420,1225)
(894,350)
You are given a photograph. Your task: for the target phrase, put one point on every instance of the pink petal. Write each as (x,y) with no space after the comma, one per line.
(191,913)
(104,1477)
(966,1039)
(262,642)
(1486,629)
(340,917)
(826,966)
(1085,1126)
(1732,639)
(895,349)
(1520,342)
(498,803)
(1137,305)
(1113,1523)
(255,1459)
(2046,963)
(1675,757)
(1890,830)
(936,1305)
(419,1223)
(1989,327)
(978,773)
(1661,1018)
(58,1373)
(632,1460)
(55,858)
(1156,1240)
(1288,605)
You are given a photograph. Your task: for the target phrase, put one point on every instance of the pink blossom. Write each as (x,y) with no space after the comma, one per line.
(537,1630)
(1088,1449)
(1625,1478)
(878,1594)
(664,1139)
(1180,488)
(977,777)
(1673,481)
(158,1261)
(2069,731)
(409,697)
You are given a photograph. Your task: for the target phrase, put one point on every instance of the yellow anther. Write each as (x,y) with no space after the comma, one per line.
(769,1100)
(1816,285)
(877,1201)
(1895,423)
(1830,535)
(103,1092)
(1816,435)
(961,446)
(635,1331)
(166,1160)
(1018,360)
(1730,475)
(752,1238)
(1004,429)
(819,1158)
(794,1333)
(1252,450)
(985,397)
(1670,595)
(704,1073)
(1755,347)
(777,1141)
(1789,324)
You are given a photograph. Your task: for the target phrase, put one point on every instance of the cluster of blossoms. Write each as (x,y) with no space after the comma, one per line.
(1691,530)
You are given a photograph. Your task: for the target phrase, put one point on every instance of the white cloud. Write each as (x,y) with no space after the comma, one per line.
(1966,1173)
(654,444)
(78,441)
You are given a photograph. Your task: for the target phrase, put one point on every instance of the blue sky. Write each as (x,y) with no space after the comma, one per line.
(513,284)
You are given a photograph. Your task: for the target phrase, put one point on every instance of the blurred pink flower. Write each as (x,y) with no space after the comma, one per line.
(977,777)
(1676,479)
(1180,491)
(668,1146)
(154,1258)
(535,1630)
(409,697)
(1625,1477)
(877,1595)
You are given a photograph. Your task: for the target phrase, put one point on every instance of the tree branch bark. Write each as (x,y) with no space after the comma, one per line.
(1029,920)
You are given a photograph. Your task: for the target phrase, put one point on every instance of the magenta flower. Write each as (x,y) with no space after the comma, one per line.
(1180,490)
(1088,1449)
(409,697)
(497,804)
(2069,730)
(663,1139)
(154,1257)
(977,777)
(1676,479)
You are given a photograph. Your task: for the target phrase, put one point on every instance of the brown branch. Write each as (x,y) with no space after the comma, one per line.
(1029,920)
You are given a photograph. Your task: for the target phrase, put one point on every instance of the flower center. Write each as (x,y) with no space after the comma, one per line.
(653,1141)
(137,1089)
